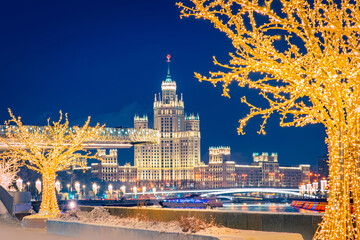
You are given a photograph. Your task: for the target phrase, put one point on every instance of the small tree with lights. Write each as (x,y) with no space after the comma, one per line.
(303,57)
(9,167)
(47,150)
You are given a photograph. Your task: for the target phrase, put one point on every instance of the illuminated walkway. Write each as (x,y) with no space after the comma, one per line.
(109,137)
(229,191)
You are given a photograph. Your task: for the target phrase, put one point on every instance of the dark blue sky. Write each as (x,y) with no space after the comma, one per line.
(106,59)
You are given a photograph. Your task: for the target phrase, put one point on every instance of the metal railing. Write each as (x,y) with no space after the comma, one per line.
(111,135)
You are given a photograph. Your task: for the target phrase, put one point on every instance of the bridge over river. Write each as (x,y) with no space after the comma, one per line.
(108,138)
(294,192)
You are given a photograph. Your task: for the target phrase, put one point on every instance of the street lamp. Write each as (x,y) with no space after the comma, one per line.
(28,186)
(57,186)
(19,184)
(84,186)
(38,185)
(244,176)
(323,185)
(135,190)
(68,186)
(77,187)
(110,188)
(315,186)
(308,188)
(95,188)
(281,175)
(123,189)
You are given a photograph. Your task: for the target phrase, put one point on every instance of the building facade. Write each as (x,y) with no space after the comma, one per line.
(175,160)
(220,172)
(323,166)
(172,161)
(263,172)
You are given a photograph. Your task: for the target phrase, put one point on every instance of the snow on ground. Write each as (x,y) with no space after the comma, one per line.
(10,229)
(101,216)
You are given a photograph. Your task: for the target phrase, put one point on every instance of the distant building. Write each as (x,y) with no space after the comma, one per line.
(175,160)
(107,169)
(323,166)
(172,161)
(219,173)
(263,172)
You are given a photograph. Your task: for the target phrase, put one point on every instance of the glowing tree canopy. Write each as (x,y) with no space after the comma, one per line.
(48,150)
(303,57)
(9,167)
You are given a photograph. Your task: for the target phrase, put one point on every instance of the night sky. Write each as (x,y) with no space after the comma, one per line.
(106,59)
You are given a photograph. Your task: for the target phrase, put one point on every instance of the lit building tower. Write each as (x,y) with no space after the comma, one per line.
(141,122)
(172,162)
(269,168)
(108,167)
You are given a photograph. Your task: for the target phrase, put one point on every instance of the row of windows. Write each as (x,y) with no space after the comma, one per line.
(170,111)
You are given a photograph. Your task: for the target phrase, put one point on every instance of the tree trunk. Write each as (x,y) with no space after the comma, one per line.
(49,206)
(343,209)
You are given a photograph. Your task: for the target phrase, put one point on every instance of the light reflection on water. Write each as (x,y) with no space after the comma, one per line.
(263,207)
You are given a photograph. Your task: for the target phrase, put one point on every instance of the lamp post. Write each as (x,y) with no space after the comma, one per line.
(110,188)
(135,190)
(57,186)
(95,189)
(302,189)
(28,186)
(77,187)
(281,175)
(123,189)
(143,191)
(38,185)
(315,186)
(19,184)
(323,185)
(308,188)
(84,186)
(244,176)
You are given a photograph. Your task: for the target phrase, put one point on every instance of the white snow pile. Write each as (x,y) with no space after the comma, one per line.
(100,216)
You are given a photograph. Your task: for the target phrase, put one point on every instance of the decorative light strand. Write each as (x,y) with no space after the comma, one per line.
(9,167)
(49,150)
(309,74)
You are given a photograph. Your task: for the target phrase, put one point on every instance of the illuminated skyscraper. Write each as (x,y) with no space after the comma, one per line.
(172,162)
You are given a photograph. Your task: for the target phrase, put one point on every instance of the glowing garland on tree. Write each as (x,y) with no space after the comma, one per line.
(49,150)
(306,59)
(9,167)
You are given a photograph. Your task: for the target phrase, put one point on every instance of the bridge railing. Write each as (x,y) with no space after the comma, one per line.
(124,135)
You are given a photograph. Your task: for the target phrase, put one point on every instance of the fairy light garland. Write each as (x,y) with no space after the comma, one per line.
(49,150)
(9,167)
(313,78)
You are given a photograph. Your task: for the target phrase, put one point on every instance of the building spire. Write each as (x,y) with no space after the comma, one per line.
(168,76)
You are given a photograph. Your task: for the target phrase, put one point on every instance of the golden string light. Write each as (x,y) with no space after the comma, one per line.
(9,167)
(48,150)
(304,59)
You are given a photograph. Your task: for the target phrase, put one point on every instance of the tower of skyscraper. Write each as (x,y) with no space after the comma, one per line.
(172,161)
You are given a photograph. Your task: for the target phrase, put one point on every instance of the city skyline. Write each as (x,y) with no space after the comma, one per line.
(107,60)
